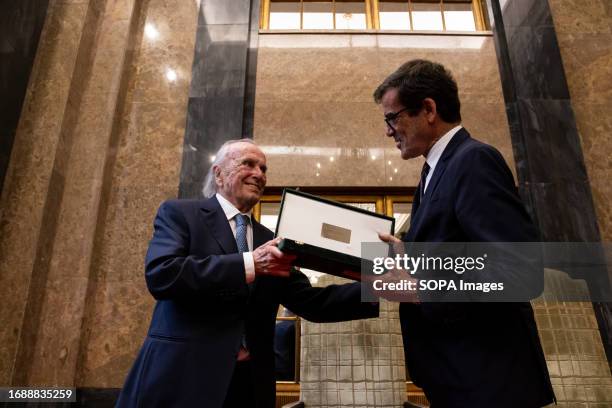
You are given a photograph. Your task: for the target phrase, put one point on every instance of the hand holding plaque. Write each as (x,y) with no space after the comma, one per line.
(395,276)
(269,260)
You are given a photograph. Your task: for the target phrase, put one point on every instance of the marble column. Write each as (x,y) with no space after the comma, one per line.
(549,160)
(34,185)
(552,176)
(95,35)
(97,149)
(221,97)
(20,25)
(584,33)
(550,165)
(55,187)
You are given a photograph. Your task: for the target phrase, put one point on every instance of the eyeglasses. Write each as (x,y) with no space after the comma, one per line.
(391,118)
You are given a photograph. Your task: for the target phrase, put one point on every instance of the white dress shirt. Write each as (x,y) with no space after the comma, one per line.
(436,152)
(230,212)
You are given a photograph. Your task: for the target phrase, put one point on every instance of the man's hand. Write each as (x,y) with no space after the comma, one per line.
(398,245)
(269,260)
(396,276)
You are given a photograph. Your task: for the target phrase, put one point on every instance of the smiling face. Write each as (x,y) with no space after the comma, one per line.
(413,135)
(241,176)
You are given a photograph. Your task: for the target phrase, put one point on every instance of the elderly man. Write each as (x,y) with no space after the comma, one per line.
(218,279)
(461,354)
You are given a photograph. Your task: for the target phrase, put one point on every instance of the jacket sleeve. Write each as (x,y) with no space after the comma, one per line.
(489,210)
(487,203)
(333,303)
(171,272)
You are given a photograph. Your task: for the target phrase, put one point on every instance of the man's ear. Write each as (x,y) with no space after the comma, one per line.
(431,110)
(217,172)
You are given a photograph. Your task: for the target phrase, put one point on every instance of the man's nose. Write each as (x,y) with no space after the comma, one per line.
(259,173)
(389,131)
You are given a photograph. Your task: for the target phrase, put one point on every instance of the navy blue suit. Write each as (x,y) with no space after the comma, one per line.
(284,350)
(204,306)
(473,354)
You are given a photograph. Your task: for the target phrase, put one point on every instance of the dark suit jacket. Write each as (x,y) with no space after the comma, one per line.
(284,350)
(473,354)
(204,306)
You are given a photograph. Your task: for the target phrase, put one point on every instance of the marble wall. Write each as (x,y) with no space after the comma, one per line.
(555,185)
(584,34)
(222,89)
(20,26)
(98,147)
(314,104)
(146,169)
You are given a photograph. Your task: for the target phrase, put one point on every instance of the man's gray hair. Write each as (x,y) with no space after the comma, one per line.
(210,185)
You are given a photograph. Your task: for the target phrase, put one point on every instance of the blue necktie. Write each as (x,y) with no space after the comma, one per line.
(242,222)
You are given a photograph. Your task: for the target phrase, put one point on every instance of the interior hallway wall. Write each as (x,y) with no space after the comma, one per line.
(314,101)
(584,33)
(20,27)
(98,147)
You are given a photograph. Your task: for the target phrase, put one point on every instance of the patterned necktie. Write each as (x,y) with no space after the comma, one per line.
(424,173)
(242,222)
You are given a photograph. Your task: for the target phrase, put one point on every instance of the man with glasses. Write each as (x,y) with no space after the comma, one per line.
(462,354)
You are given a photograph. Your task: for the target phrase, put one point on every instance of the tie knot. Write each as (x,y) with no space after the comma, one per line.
(242,220)
(425,170)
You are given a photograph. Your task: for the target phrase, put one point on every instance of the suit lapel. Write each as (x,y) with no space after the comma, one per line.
(448,152)
(259,234)
(418,207)
(217,224)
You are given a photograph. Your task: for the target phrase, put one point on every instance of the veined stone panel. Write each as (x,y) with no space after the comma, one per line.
(314,102)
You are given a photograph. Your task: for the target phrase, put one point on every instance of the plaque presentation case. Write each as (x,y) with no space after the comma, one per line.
(326,235)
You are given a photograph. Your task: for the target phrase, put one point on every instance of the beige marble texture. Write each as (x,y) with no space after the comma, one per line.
(588,67)
(584,31)
(117,330)
(86,140)
(149,137)
(170,50)
(314,100)
(98,148)
(31,178)
(582,16)
(570,334)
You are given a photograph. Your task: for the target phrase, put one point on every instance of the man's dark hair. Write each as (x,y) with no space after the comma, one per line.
(418,79)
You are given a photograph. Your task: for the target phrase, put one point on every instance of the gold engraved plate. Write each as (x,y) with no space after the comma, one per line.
(336,233)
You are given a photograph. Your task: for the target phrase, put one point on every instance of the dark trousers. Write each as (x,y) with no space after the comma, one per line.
(241,393)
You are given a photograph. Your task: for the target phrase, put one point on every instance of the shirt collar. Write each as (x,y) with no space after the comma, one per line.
(438,148)
(229,209)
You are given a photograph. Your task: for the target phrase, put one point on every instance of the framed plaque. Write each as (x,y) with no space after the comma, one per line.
(326,235)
